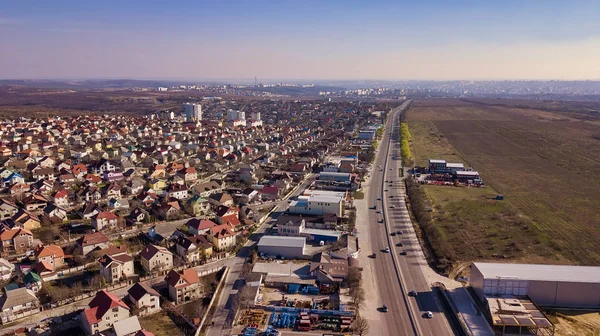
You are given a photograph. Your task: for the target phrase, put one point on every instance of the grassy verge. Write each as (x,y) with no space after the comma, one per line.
(358,195)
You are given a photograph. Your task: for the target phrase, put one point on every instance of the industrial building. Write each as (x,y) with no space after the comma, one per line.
(317,205)
(545,285)
(337,181)
(442,167)
(286,247)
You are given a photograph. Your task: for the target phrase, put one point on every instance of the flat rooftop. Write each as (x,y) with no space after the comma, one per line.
(334,174)
(299,270)
(467,173)
(516,312)
(330,193)
(282,241)
(321,232)
(563,273)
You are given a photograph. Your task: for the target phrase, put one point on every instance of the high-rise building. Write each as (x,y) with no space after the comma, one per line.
(193,112)
(235,115)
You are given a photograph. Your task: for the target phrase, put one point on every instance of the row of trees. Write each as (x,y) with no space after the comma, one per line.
(356,291)
(405,135)
(441,249)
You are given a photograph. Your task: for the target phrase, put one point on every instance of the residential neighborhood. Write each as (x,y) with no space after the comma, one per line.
(102,203)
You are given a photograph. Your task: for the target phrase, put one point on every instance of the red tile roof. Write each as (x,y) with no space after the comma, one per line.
(101,304)
(44,251)
(190,276)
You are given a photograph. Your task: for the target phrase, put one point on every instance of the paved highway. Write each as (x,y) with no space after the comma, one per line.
(395,274)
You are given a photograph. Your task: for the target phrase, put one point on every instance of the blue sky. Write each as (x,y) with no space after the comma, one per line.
(300,39)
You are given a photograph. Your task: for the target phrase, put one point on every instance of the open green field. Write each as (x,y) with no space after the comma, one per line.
(545,164)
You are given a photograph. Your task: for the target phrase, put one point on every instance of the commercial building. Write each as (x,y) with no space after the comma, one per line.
(337,181)
(442,167)
(286,247)
(366,135)
(295,226)
(317,205)
(545,285)
(193,112)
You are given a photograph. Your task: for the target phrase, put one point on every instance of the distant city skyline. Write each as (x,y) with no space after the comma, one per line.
(307,40)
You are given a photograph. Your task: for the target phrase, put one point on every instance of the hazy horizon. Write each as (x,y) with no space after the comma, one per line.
(311,40)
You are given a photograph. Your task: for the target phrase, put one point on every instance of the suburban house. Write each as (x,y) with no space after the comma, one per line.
(222,236)
(117,267)
(61,199)
(7,209)
(248,195)
(207,189)
(156,258)
(228,215)
(197,206)
(32,281)
(219,199)
(270,193)
(184,286)
(6,269)
(16,240)
(104,310)
(25,219)
(91,242)
(144,298)
(105,220)
(178,191)
(52,256)
(17,303)
(193,249)
(199,226)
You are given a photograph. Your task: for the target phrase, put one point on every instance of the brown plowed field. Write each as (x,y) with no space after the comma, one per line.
(546,164)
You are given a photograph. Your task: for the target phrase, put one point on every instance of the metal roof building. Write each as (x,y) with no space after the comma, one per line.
(282,246)
(545,285)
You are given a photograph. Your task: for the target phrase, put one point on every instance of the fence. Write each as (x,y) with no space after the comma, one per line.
(68,271)
(305,310)
(212,300)
(9,317)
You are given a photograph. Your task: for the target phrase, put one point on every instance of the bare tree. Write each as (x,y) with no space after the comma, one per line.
(360,326)
(358,296)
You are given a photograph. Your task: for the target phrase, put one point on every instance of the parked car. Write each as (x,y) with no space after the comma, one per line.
(386,250)
(393,234)
(429,314)
(384,309)
(403,253)
(413,293)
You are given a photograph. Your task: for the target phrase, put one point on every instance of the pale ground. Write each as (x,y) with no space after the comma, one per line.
(576,323)
(272,296)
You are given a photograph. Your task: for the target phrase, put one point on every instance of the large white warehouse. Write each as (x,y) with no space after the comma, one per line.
(546,285)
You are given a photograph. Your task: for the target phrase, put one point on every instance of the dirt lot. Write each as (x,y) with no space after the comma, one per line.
(575,323)
(545,164)
(160,325)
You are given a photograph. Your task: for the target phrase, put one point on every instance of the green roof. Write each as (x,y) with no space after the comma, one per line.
(32,277)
